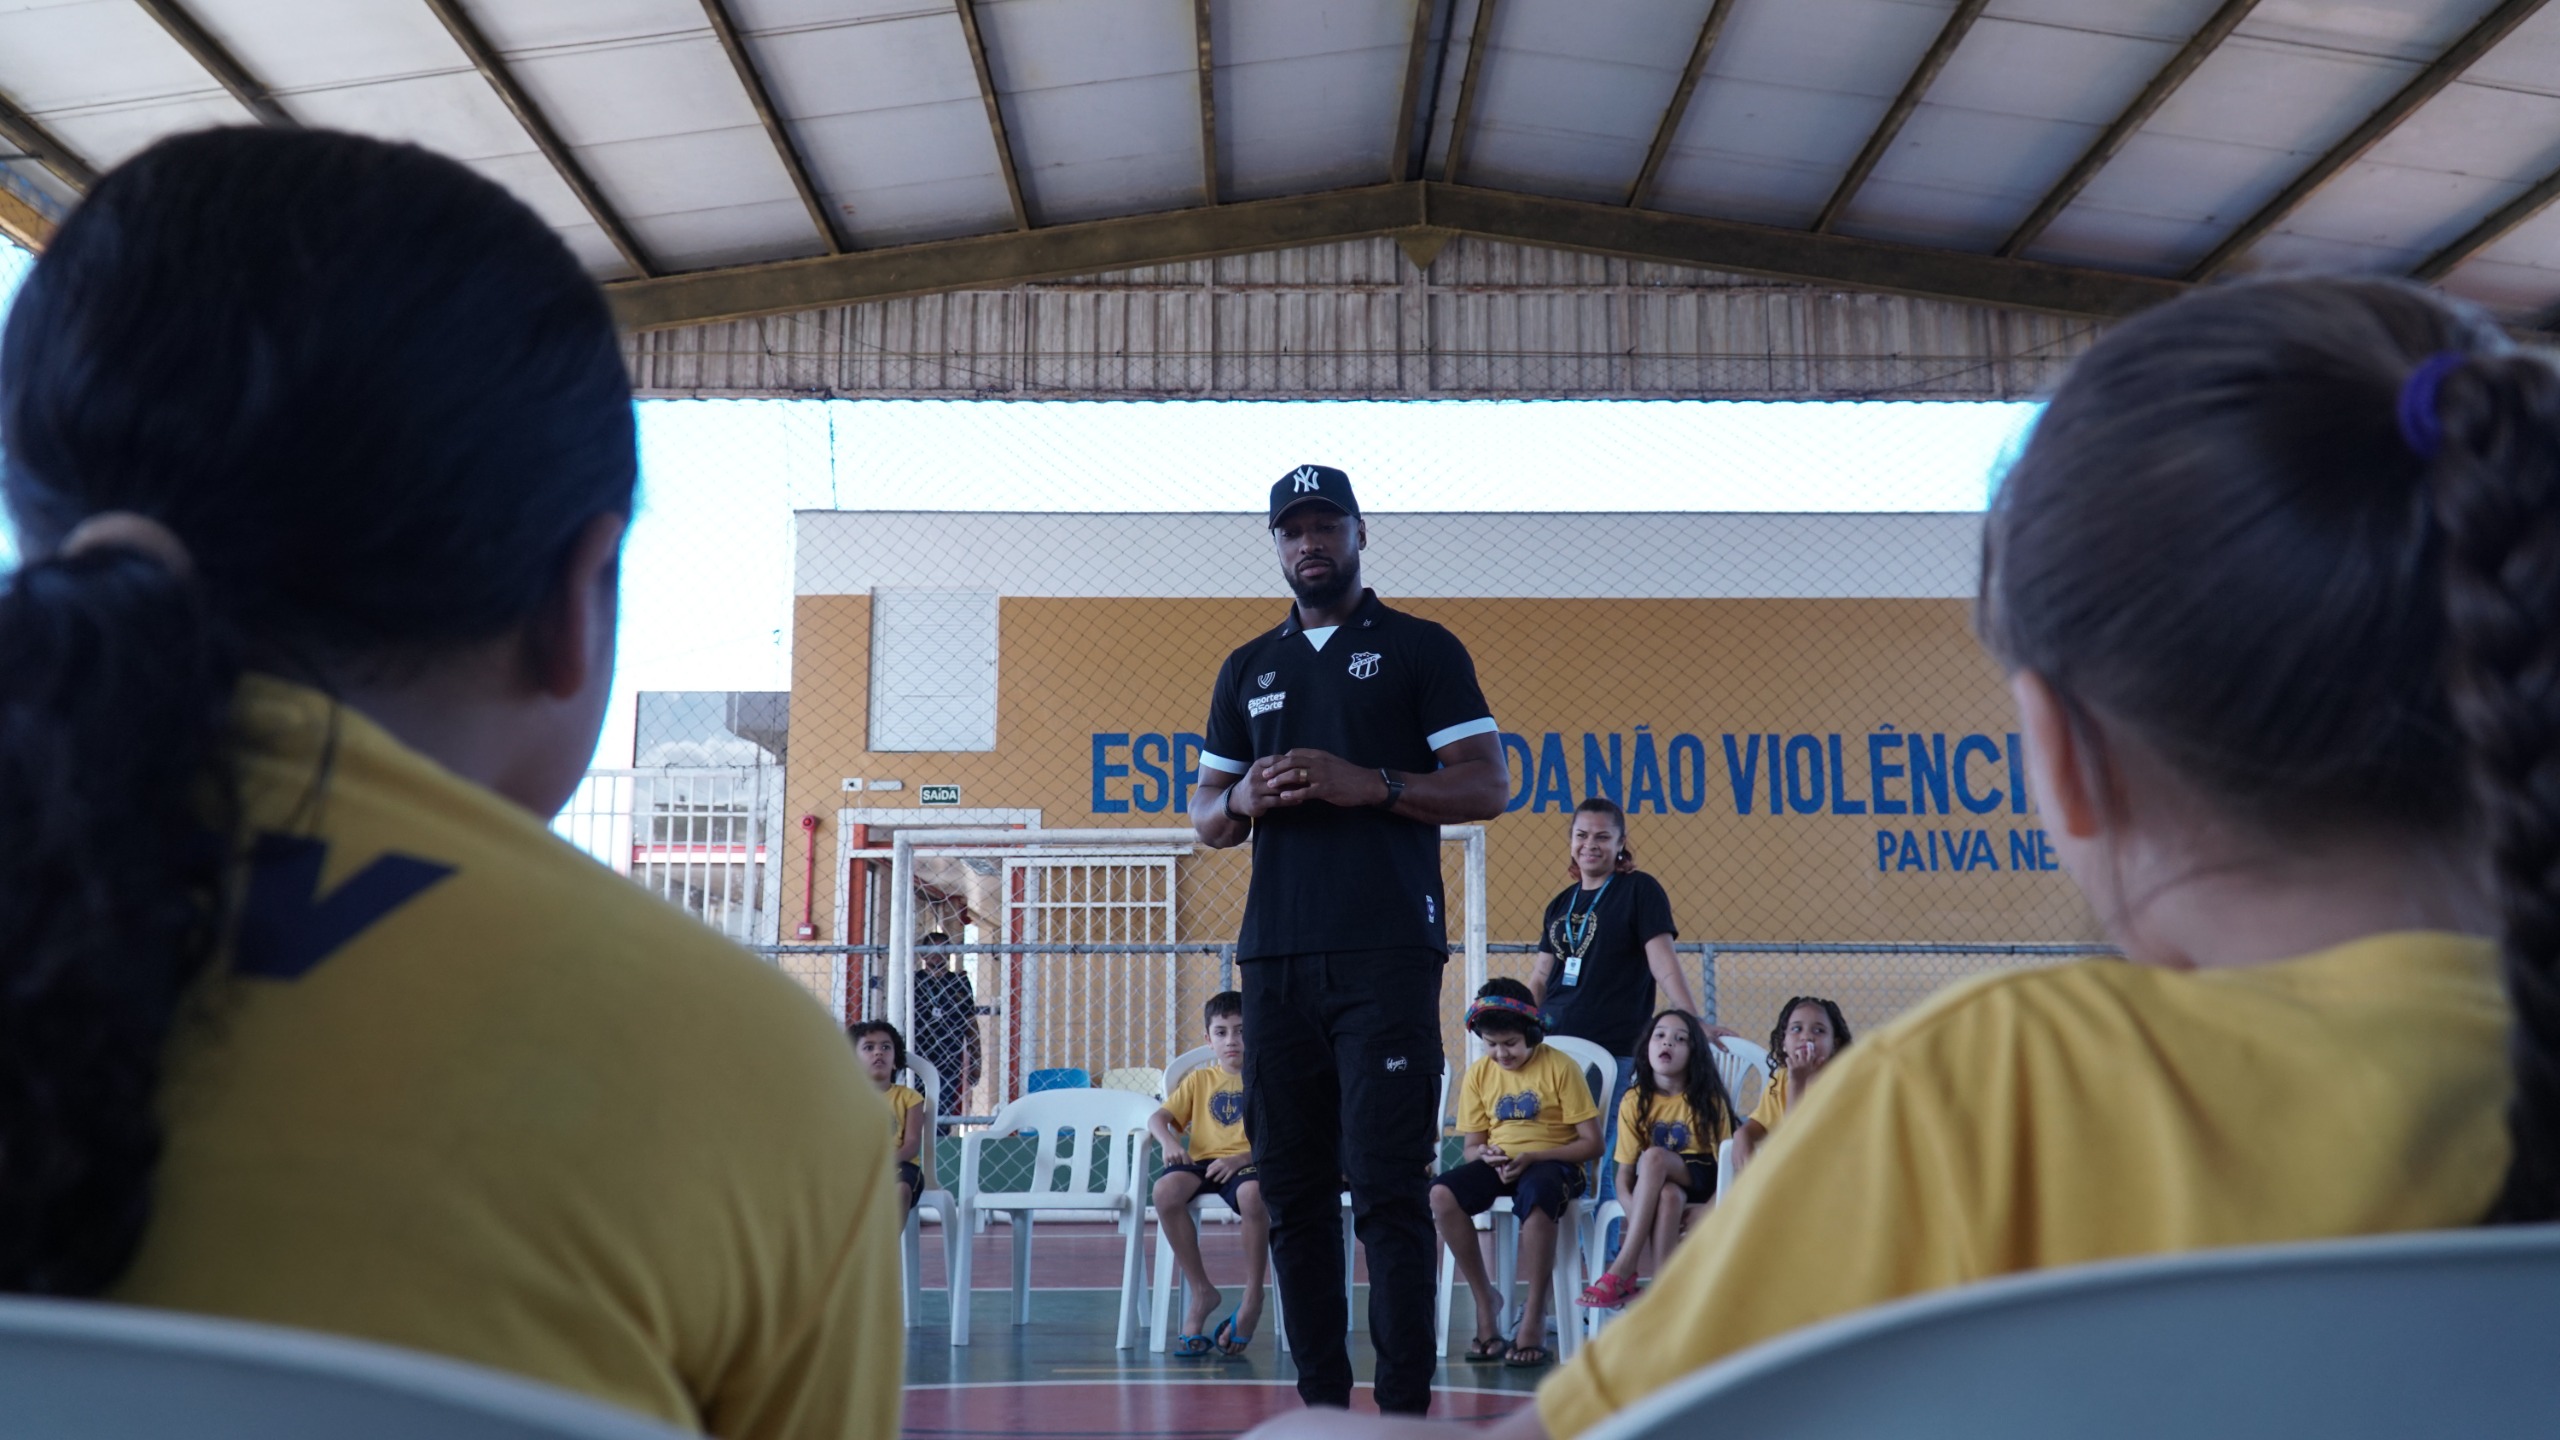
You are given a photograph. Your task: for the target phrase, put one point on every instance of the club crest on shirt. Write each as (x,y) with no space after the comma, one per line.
(1670,1134)
(1364,664)
(1263,680)
(1227,1107)
(1520,1106)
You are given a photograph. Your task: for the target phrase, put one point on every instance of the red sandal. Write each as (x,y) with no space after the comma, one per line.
(1609,1292)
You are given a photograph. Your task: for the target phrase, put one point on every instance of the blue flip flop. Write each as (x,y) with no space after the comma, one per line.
(1229,1343)
(1192,1347)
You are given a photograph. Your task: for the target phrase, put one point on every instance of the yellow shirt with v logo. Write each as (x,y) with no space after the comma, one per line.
(460,1088)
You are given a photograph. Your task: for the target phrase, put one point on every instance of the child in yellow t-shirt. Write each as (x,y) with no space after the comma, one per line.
(1669,1125)
(883,1052)
(1201,1131)
(1809,1032)
(1529,1124)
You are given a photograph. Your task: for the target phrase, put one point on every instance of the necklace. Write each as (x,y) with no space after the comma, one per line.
(1577,931)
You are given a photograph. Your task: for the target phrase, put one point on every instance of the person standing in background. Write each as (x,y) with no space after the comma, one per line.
(946,1025)
(1606,941)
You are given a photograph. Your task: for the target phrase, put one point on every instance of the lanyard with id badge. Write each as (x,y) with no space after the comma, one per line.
(1575,932)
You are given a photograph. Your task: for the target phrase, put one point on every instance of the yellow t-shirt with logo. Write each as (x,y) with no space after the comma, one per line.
(1773,1101)
(459,1088)
(1209,1106)
(1535,1107)
(903,1100)
(1671,1123)
(2088,1112)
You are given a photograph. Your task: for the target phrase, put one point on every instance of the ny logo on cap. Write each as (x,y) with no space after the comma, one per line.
(1307,480)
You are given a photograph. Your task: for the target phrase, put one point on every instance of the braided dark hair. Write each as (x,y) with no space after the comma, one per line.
(2318,625)
(378,403)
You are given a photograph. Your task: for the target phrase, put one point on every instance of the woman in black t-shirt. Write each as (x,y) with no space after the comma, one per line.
(1606,941)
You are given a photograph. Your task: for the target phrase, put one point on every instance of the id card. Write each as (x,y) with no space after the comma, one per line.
(1572,970)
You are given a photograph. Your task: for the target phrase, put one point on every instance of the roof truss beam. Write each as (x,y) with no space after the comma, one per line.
(1924,75)
(1460,123)
(995,111)
(2198,48)
(1402,161)
(485,59)
(2425,86)
(995,261)
(33,140)
(2489,231)
(218,62)
(1208,103)
(752,81)
(1672,114)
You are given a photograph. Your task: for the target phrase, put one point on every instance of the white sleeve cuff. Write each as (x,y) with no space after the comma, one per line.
(1225,766)
(1456,733)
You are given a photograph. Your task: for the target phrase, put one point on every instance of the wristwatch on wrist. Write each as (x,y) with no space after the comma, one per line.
(1227,802)
(1395,790)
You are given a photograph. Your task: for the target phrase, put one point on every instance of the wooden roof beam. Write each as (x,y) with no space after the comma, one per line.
(1208,104)
(734,44)
(2198,48)
(1464,120)
(1924,75)
(1403,161)
(218,62)
(2536,198)
(995,111)
(38,144)
(2425,86)
(985,262)
(484,58)
(1673,114)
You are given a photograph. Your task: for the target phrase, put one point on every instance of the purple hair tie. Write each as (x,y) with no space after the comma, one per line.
(2420,430)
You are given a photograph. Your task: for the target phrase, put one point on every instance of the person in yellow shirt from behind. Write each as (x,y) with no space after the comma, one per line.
(883,1052)
(1669,1125)
(1529,1125)
(2273,582)
(321,451)
(1200,1128)
(1809,1032)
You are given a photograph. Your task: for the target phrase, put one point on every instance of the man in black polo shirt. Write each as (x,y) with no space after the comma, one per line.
(1341,742)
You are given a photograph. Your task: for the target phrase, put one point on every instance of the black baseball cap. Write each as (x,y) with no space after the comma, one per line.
(1313,483)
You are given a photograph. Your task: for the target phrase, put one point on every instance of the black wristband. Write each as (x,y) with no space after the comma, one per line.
(1227,802)
(1395,789)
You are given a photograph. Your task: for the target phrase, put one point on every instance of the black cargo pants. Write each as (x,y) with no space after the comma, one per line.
(1342,1079)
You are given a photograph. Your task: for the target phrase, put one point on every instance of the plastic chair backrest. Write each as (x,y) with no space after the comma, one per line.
(928,1083)
(1065,1077)
(1179,1068)
(1744,1068)
(1136,1079)
(2439,1333)
(1599,1067)
(1065,1121)
(74,1368)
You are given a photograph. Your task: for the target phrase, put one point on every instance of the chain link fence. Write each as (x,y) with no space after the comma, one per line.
(1748,624)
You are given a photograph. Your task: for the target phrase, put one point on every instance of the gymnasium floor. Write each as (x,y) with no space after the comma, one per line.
(1058,1378)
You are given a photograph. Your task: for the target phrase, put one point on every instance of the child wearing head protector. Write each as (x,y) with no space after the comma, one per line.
(1528,1123)
(2277,584)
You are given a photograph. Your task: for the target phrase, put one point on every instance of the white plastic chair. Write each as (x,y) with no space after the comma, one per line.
(1067,1122)
(2379,1338)
(1167,1276)
(80,1370)
(1567,1274)
(945,1210)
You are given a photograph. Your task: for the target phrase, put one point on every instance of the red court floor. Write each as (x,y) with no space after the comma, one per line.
(1060,1378)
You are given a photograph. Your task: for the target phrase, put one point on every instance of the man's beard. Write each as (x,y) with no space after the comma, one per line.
(1320,594)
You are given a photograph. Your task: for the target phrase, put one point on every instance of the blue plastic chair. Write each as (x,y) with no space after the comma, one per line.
(1066,1077)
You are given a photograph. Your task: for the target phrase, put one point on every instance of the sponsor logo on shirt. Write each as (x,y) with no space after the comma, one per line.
(1395,1064)
(1670,1134)
(1520,1106)
(1263,680)
(1265,704)
(1364,664)
(1227,1108)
